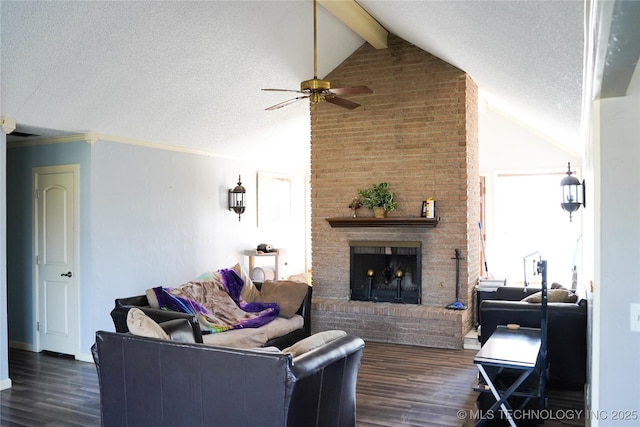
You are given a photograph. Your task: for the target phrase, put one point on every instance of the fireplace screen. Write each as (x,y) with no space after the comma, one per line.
(386,271)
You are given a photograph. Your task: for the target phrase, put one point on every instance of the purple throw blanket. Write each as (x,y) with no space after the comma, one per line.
(216,303)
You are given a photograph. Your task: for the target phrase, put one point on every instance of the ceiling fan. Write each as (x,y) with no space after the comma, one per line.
(320,90)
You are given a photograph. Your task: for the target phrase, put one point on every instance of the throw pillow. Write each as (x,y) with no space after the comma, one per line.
(152,298)
(299,278)
(314,341)
(141,324)
(249,291)
(288,294)
(553,295)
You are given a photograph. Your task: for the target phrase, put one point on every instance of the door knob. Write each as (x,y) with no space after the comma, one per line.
(68,274)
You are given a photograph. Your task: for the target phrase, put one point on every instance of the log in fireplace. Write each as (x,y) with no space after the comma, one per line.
(386,271)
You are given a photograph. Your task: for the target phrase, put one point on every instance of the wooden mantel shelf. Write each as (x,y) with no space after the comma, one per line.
(382,222)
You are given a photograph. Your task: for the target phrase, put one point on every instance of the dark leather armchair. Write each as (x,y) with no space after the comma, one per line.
(153,382)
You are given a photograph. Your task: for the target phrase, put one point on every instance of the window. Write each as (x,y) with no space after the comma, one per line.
(528,219)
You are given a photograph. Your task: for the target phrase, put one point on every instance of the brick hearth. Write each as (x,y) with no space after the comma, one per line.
(388,322)
(418,132)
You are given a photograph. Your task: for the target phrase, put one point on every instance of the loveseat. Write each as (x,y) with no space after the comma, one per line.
(157,382)
(566,330)
(281,332)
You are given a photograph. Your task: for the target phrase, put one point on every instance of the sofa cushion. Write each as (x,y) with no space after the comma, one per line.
(313,342)
(237,338)
(254,337)
(249,291)
(288,294)
(553,295)
(282,326)
(141,324)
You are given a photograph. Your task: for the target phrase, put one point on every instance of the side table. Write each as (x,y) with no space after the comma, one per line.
(280,262)
(516,351)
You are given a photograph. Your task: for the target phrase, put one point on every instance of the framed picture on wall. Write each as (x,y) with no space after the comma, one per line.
(274,199)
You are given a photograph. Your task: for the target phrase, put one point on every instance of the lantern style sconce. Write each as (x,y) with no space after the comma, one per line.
(573,193)
(236,199)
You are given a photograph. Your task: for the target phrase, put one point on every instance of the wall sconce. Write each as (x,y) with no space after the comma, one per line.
(236,199)
(573,192)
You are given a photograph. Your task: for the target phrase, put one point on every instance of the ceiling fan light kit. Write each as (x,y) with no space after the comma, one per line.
(317,90)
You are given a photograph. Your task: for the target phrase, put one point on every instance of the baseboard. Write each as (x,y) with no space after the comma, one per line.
(22,345)
(5,384)
(470,341)
(84,357)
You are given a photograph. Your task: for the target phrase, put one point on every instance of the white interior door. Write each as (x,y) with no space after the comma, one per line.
(56,216)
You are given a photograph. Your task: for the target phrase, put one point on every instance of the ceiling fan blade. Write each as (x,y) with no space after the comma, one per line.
(354,90)
(285,103)
(341,102)
(320,90)
(282,90)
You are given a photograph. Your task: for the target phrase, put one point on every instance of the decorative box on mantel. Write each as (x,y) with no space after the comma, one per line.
(336,222)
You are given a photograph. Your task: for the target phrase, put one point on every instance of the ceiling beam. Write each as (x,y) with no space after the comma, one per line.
(355,17)
(623,49)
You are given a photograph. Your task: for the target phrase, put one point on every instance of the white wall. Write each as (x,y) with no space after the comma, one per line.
(160,218)
(615,386)
(509,146)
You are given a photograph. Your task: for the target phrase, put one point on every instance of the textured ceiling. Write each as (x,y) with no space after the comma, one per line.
(190,73)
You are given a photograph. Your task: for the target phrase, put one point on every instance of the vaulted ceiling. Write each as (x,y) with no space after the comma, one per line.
(191,73)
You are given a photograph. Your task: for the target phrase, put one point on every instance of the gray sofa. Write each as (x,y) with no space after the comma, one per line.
(153,382)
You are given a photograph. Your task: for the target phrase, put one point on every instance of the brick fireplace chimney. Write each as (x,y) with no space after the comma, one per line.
(418,131)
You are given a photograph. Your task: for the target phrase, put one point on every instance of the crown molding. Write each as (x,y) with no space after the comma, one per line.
(8,124)
(159,146)
(93,137)
(78,137)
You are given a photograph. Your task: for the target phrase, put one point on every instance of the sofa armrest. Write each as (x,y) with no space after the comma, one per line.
(305,311)
(137,301)
(319,358)
(179,330)
(330,373)
(119,316)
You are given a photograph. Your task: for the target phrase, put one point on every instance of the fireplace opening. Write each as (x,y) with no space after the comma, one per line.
(383,271)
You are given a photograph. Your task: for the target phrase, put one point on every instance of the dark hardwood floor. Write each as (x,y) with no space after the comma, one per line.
(50,390)
(414,386)
(397,386)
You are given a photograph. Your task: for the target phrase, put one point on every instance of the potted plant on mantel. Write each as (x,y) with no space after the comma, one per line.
(378,198)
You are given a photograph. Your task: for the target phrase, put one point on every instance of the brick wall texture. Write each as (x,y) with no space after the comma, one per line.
(418,131)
